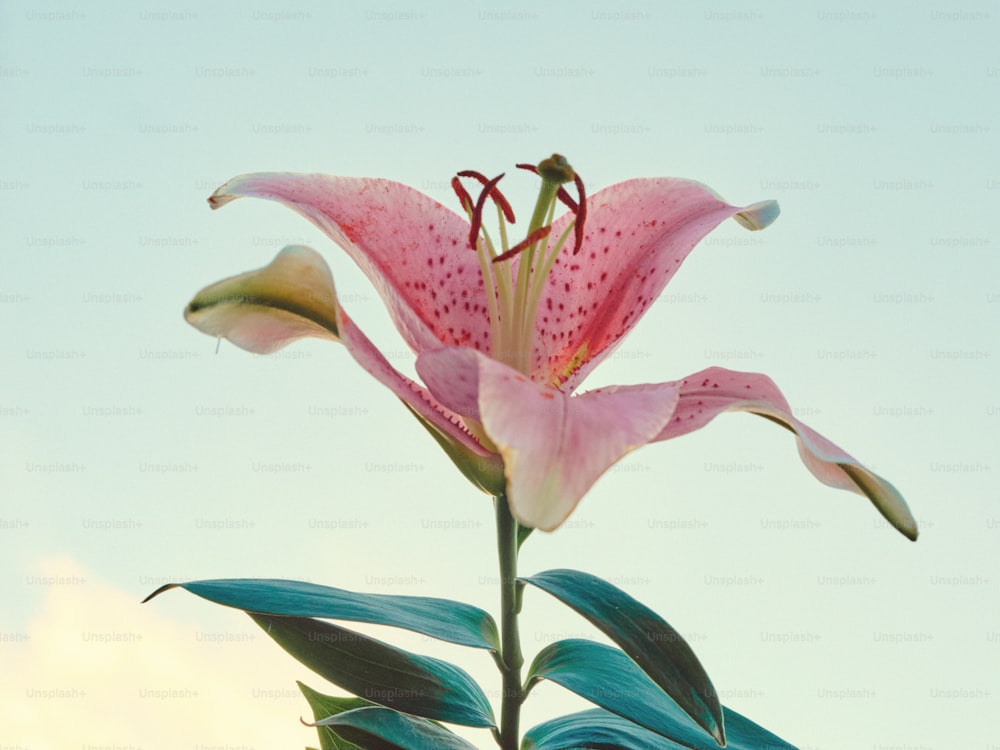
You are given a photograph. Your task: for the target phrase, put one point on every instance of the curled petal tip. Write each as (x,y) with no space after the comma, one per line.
(221,197)
(886,498)
(759,215)
(265,310)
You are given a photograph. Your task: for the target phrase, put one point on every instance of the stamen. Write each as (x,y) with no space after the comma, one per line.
(495,193)
(463,195)
(567,201)
(524,244)
(581,213)
(477,213)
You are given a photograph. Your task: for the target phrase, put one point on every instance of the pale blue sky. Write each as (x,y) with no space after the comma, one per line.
(133,454)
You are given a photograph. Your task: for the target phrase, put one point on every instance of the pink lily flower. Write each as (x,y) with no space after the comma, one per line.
(504,334)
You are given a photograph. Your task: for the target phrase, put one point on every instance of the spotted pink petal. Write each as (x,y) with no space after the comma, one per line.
(636,236)
(554,446)
(414,395)
(294,297)
(706,394)
(414,250)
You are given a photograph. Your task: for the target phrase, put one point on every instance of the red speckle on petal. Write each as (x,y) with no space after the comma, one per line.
(548,395)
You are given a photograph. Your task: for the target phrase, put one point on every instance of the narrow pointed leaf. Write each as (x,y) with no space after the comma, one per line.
(598,728)
(607,677)
(447,620)
(325,706)
(395,729)
(645,637)
(378,672)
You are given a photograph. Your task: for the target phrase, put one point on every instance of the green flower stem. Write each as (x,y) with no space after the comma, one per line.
(510,659)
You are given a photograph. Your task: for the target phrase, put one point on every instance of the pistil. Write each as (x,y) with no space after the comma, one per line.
(513,304)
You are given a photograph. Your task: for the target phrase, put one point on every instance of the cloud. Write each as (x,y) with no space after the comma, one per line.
(96,670)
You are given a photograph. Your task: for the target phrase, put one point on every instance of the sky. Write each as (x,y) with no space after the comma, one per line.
(134,452)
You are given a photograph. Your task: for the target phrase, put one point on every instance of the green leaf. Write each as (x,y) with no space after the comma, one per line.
(397,729)
(645,637)
(444,619)
(378,672)
(324,706)
(598,728)
(607,677)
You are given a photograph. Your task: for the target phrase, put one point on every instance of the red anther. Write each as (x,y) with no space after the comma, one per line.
(581,214)
(463,195)
(477,212)
(495,194)
(531,239)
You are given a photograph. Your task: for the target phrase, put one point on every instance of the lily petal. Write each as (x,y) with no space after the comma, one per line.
(413,249)
(294,297)
(706,394)
(554,446)
(267,309)
(637,235)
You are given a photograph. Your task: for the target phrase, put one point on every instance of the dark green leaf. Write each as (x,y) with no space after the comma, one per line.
(397,729)
(607,677)
(598,728)
(324,706)
(450,621)
(381,673)
(645,637)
